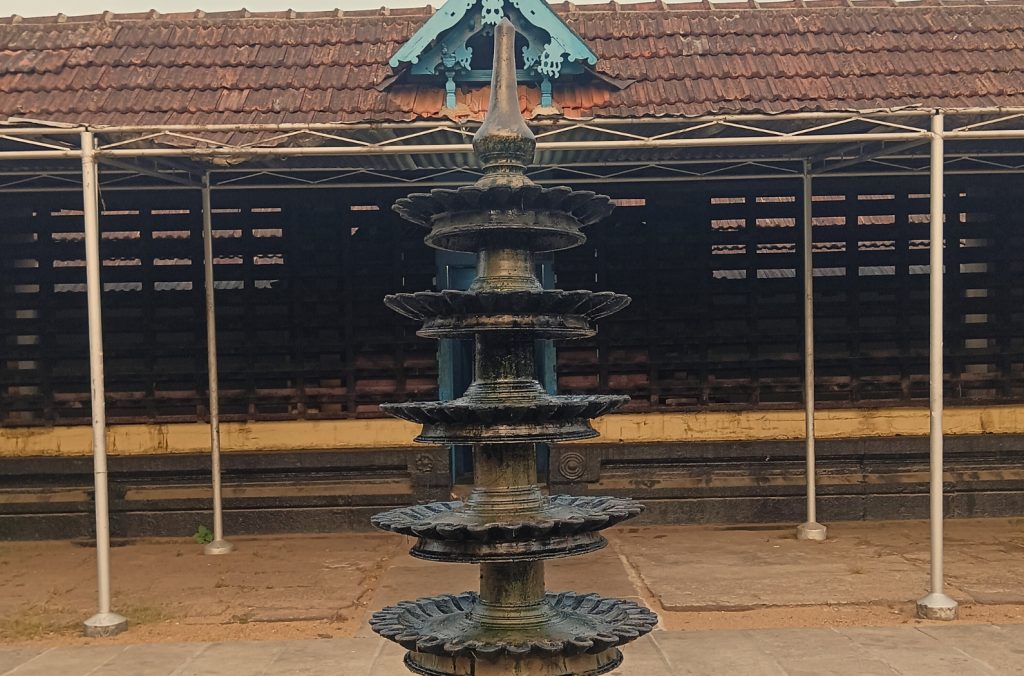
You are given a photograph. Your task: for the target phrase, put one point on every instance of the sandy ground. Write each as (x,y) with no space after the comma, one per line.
(696,578)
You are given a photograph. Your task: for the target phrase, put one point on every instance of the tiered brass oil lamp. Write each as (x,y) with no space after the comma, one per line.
(507,525)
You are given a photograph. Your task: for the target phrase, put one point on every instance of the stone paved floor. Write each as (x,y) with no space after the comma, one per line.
(964,650)
(731,600)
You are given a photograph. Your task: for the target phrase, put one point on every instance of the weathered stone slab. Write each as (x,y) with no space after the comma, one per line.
(1000,648)
(325,657)
(232,658)
(157,659)
(68,661)
(9,659)
(915,652)
(644,657)
(388,660)
(820,651)
(687,569)
(716,652)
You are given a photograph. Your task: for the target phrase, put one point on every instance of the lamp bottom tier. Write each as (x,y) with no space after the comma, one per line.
(578,635)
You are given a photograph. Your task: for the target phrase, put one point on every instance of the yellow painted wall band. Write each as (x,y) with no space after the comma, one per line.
(368,434)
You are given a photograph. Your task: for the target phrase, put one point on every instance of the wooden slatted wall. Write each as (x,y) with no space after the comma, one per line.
(717,318)
(302,332)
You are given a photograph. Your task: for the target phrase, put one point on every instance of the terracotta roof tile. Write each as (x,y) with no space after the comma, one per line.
(682,59)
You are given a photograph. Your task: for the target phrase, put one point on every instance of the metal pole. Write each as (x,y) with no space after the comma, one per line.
(104,622)
(219,545)
(810,529)
(936,605)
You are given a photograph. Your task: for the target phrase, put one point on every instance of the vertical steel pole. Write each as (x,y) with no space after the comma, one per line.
(936,605)
(810,529)
(219,545)
(104,622)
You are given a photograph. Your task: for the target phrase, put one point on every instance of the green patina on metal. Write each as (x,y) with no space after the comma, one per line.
(507,525)
(443,47)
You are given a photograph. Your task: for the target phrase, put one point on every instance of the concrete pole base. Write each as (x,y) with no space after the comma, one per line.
(937,607)
(102,625)
(218,547)
(811,530)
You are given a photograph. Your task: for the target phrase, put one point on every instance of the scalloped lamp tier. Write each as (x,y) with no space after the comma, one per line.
(580,635)
(543,219)
(566,525)
(543,418)
(544,314)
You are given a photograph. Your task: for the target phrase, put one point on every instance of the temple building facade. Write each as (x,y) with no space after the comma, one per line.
(705,123)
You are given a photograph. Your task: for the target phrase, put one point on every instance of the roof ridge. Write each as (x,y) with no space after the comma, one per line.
(563,8)
(239,14)
(712,5)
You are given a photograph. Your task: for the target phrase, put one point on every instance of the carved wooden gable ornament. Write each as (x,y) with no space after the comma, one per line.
(454,46)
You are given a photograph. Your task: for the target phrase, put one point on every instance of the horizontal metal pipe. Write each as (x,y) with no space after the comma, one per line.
(984,135)
(732,141)
(1010,110)
(644,179)
(20,155)
(419,124)
(64,172)
(666,163)
(283,127)
(449,148)
(557,181)
(823,166)
(613,122)
(795,161)
(170,177)
(41,131)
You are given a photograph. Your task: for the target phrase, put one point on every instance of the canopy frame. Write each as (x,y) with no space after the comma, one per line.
(42,157)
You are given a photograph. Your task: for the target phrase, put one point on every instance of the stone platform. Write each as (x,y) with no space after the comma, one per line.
(749,592)
(982,650)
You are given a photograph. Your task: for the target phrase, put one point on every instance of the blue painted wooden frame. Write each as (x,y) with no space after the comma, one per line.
(440,47)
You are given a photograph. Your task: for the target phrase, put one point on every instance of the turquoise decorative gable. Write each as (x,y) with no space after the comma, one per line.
(455,44)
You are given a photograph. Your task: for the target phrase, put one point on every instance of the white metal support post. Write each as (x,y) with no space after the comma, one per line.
(104,622)
(810,529)
(936,605)
(219,545)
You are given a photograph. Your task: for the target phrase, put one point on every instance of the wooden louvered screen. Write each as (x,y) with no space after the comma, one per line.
(302,332)
(716,318)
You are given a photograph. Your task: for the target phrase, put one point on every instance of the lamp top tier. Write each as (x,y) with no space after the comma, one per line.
(504,145)
(504,204)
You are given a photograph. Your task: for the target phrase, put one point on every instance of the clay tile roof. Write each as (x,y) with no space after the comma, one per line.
(696,58)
